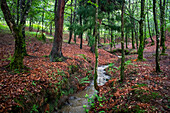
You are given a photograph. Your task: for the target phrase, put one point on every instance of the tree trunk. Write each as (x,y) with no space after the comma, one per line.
(74,19)
(42,21)
(17,59)
(162,25)
(157,37)
(141,46)
(30,25)
(132,22)
(51,29)
(111,40)
(149,29)
(71,21)
(133,40)
(81,35)
(96,50)
(126,40)
(16,29)
(145,34)
(136,34)
(122,43)
(56,52)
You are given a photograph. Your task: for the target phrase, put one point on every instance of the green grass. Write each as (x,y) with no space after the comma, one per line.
(168,27)
(4,28)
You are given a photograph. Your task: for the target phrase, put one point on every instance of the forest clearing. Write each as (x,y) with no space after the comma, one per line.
(94,56)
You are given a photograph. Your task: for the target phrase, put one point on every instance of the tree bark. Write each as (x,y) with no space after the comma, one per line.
(122,43)
(126,40)
(56,52)
(74,19)
(141,46)
(133,39)
(71,21)
(157,37)
(81,34)
(162,25)
(150,29)
(96,50)
(51,29)
(16,29)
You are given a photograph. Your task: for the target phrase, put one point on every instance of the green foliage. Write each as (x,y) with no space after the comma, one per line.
(42,37)
(85,107)
(72,69)
(83,80)
(111,64)
(34,108)
(91,40)
(82,56)
(168,27)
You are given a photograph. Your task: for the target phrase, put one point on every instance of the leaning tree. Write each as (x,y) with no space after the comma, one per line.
(16,28)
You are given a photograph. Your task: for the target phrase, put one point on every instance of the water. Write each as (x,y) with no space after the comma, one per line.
(77,101)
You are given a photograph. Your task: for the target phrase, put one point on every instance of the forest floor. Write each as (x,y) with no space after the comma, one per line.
(143,90)
(44,80)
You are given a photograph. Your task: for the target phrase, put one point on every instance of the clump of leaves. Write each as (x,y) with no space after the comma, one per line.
(83,80)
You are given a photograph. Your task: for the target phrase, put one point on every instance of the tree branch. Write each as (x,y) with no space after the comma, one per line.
(7,15)
(24,15)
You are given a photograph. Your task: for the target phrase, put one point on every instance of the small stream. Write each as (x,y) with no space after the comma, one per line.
(77,101)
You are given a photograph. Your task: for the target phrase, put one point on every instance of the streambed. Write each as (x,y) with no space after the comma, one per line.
(77,100)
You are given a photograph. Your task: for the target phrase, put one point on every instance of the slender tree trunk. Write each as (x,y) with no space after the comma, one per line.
(74,19)
(18,2)
(96,50)
(136,34)
(51,29)
(30,24)
(145,34)
(149,29)
(162,26)
(126,40)
(111,40)
(104,37)
(38,29)
(157,37)
(133,40)
(43,21)
(132,29)
(71,20)
(141,46)
(122,43)
(56,52)
(81,35)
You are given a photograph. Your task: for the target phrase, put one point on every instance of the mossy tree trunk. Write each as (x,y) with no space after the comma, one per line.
(56,52)
(162,25)
(122,43)
(141,46)
(16,28)
(96,49)
(157,37)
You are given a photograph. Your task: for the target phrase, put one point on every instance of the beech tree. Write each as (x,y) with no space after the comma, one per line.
(157,37)
(56,52)
(162,25)
(122,43)
(142,17)
(96,48)
(16,27)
